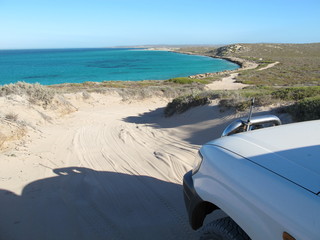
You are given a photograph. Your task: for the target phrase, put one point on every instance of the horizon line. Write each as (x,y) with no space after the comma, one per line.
(152,45)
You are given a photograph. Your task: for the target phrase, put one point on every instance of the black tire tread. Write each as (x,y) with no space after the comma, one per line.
(223,229)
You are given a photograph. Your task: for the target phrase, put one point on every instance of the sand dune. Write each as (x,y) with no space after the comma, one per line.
(110,170)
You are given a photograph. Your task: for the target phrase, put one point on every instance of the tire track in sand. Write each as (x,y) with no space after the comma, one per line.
(148,155)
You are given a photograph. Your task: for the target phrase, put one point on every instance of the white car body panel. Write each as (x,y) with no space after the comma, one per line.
(266,180)
(292,151)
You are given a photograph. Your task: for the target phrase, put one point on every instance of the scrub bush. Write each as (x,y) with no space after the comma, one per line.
(296,93)
(186,80)
(304,110)
(37,93)
(183,103)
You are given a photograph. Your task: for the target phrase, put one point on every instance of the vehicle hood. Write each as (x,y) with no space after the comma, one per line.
(291,151)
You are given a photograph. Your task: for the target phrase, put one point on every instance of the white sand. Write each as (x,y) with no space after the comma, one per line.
(226,83)
(111,170)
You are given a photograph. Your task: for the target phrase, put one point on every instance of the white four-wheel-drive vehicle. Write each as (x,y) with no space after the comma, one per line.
(261,184)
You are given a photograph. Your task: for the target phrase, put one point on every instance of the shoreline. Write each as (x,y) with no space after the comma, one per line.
(242,63)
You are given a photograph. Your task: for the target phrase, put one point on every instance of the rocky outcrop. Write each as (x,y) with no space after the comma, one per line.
(206,75)
(244,65)
(227,50)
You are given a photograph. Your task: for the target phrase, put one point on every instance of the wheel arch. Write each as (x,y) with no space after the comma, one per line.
(200,212)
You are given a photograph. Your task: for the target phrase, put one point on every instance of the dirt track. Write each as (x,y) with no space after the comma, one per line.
(104,173)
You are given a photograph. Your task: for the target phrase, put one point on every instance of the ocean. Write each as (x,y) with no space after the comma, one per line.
(55,66)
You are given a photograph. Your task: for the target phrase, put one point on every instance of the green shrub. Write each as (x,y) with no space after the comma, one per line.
(181,80)
(183,103)
(239,105)
(307,109)
(296,93)
(187,80)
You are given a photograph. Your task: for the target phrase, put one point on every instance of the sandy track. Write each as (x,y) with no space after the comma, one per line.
(226,83)
(229,82)
(269,66)
(97,175)
(111,170)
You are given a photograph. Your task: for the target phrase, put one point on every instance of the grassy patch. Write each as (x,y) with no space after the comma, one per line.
(187,80)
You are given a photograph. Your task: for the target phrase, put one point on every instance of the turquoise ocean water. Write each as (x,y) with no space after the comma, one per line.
(106,64)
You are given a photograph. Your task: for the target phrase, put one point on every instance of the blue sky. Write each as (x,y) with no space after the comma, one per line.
(105,23)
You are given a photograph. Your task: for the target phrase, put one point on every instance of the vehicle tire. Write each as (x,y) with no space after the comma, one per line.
(223,229)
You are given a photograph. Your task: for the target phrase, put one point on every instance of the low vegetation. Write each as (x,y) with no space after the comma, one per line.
(171,88)
(11,128)
(306,109)
(303,103)
(35,97)
(296,93)
(187,80)
(183,103)
(299,64)
(37,94)
(293,81)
